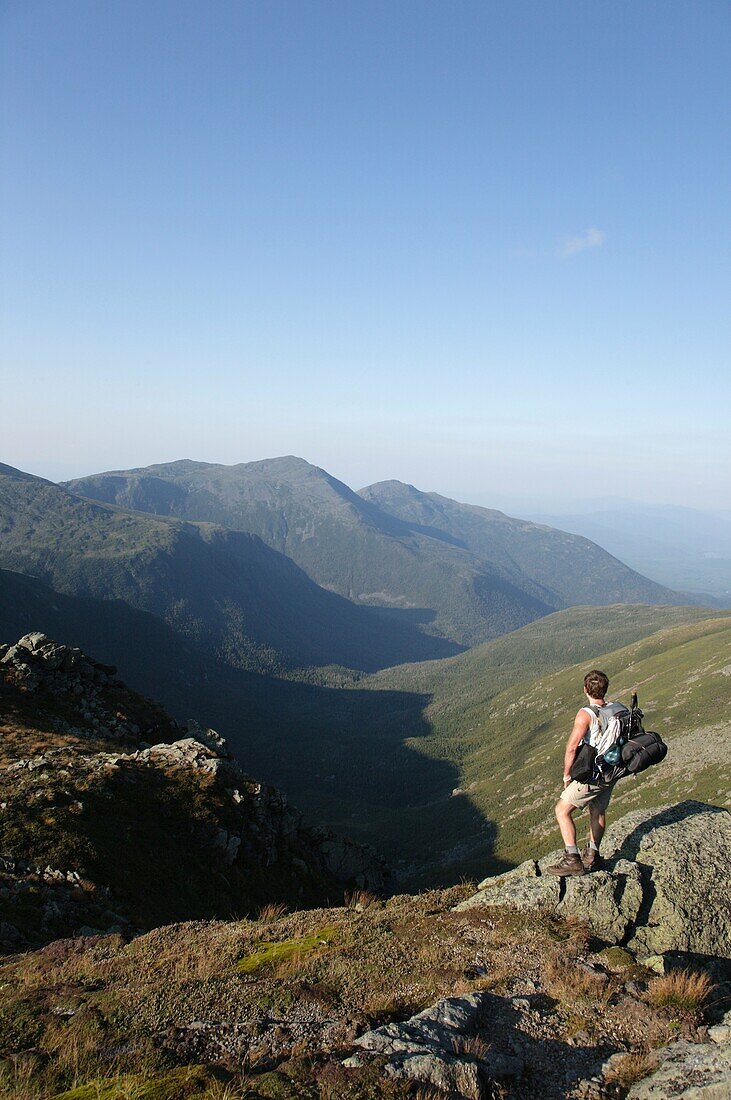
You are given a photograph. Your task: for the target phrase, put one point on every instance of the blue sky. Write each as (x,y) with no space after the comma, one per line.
(480,247)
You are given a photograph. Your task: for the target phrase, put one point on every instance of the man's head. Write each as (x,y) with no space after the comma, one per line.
(596,684)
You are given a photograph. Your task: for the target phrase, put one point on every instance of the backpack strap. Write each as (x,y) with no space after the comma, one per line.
(597,712)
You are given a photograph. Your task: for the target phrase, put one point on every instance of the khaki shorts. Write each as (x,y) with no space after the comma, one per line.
(583,795)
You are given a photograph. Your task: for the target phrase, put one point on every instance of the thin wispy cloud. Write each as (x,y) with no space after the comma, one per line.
(590,238)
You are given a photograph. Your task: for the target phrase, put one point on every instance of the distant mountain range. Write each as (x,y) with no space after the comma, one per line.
(460,572)
(686,548)
(224,590)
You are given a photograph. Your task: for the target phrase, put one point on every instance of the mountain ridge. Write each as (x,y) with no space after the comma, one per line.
(449,576)
(490,531)
(220,588)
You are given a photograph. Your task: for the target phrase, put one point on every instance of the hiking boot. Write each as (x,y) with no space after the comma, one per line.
(591,860)
(569,864)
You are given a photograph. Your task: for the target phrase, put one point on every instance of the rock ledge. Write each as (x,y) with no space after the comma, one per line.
(664,889)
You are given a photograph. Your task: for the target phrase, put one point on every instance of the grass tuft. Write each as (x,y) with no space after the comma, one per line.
(471,1047)
(360,900)
(630,1069)
(571,984)
(272,912)
(686,991)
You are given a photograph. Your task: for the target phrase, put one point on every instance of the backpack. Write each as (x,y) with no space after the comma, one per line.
(599,750)
(622,745)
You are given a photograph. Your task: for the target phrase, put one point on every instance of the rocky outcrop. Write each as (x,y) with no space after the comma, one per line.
(157,831)
(98,705)
(441,1047)
(663,888)
(689,1071)
(257,823)
(38,660)
(52,903)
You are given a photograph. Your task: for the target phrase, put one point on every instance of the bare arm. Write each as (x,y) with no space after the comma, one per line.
(582,722)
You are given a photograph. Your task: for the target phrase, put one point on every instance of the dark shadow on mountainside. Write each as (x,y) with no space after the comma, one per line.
(338,753)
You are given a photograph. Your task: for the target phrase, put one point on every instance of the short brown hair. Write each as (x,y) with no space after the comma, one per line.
(596,683)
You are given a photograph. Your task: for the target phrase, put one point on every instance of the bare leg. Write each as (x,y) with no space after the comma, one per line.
(564,816)
(597,825)
(570,862)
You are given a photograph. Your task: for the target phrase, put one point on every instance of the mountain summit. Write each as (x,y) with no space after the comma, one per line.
(466,574)
(225,590)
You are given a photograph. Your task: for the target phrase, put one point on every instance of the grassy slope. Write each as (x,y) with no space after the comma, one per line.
(502,713)
(546,645)
(129,1004)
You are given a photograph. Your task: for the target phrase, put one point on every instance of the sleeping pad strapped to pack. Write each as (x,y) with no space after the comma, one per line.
(642,751)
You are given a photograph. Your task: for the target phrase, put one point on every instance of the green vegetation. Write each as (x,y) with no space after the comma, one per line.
(181,1083)
(617,958)
(272,954)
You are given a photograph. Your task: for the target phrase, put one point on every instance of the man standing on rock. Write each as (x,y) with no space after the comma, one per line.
(593,723)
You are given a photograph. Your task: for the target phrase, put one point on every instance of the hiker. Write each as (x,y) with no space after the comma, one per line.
(591,796)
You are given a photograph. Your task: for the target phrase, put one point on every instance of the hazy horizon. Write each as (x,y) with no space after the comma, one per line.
(522,503)
(482,249)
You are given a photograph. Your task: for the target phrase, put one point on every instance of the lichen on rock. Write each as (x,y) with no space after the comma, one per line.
(433,1048)
(661,890)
